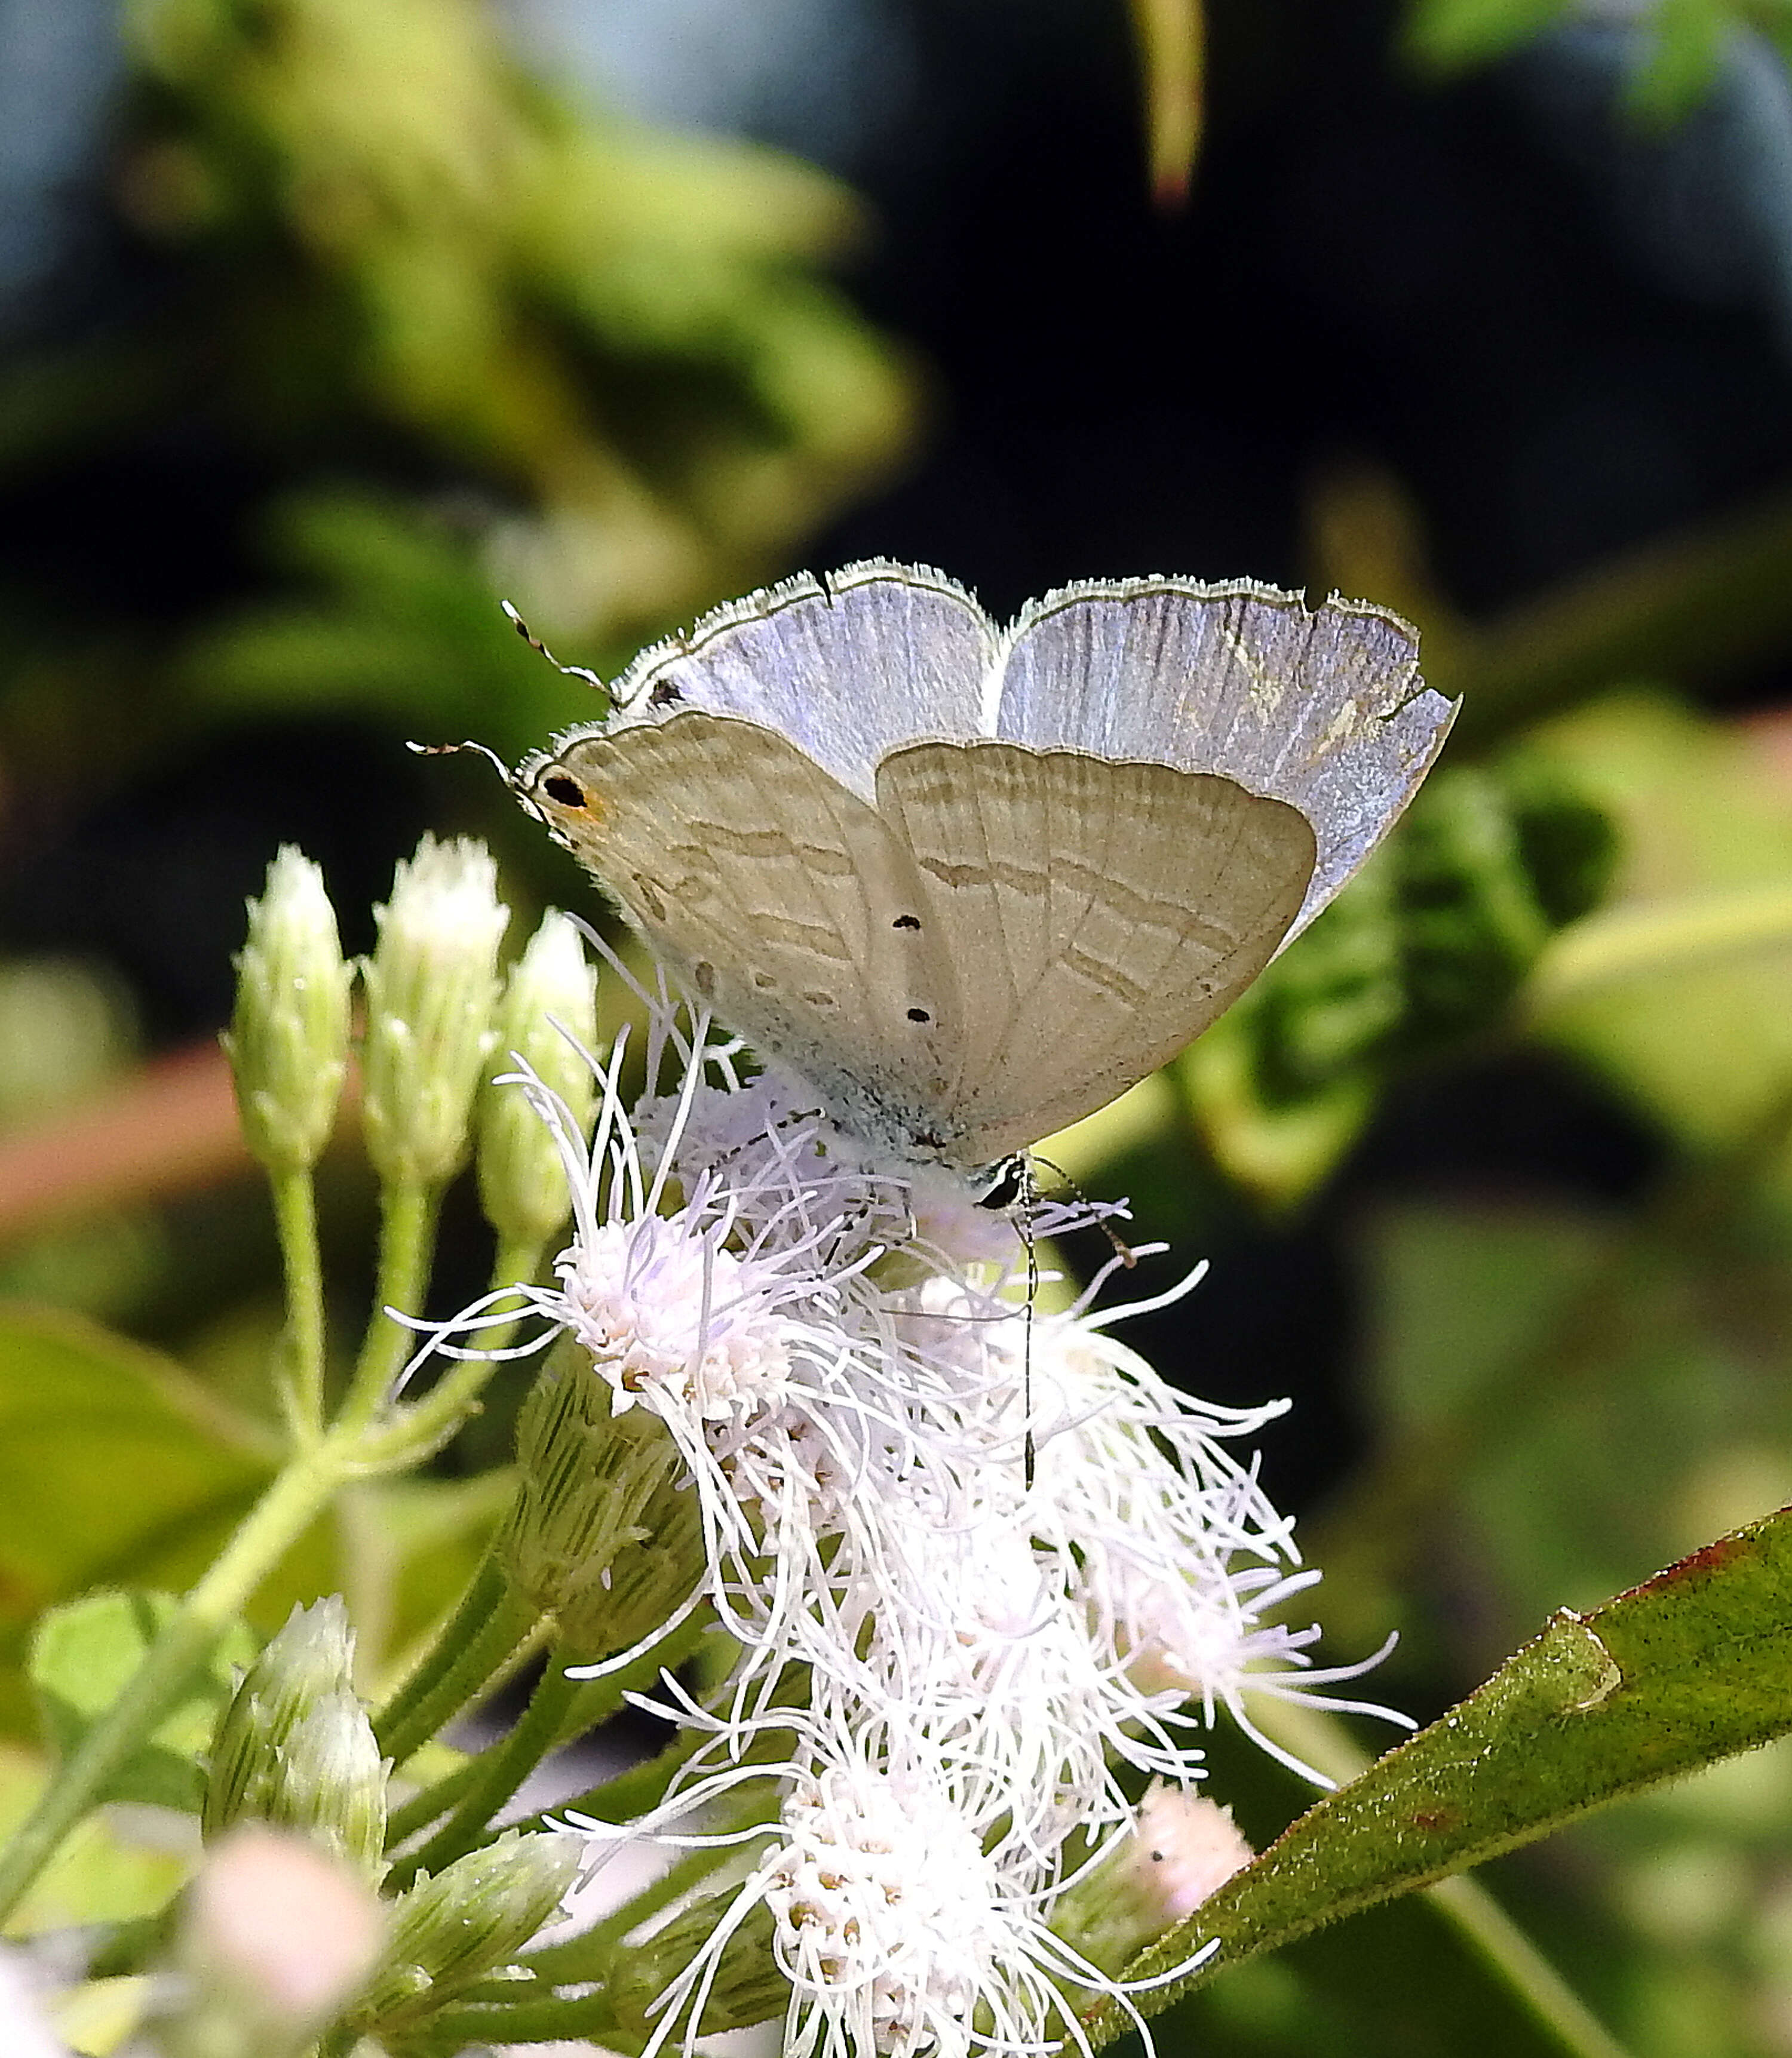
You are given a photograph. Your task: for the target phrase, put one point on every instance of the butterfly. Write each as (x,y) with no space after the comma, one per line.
(970,883)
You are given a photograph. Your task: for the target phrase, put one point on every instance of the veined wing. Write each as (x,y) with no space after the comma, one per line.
(1100,913)
(1323,708)
(847,667)
(787,903)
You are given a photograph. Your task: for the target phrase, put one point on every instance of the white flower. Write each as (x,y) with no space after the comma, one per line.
(1003,1559)
(664,1306)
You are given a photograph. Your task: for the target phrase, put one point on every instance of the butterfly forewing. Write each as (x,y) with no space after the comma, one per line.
(1323,708)
(787,903)
(1103,914)
(846,669)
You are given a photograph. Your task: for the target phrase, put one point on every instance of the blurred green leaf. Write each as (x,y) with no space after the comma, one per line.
(101,1874)
(1453,35)
(113,1466)
(83,1655)
(404,248)
(400,621)
(1682,1671)
(1684,54)
(1704,1042)
(1679,49)
(1426,947)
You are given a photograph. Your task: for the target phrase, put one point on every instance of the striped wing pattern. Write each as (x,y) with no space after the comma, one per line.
(785,901)
(1009,939)
(1104,912)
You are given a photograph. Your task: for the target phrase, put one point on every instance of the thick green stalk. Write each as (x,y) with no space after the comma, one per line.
(296,1219)
(517,1264)
(501,1770)
(293,1500)
(423,1808)
(477,1643)
(406,1238)
(457,2029)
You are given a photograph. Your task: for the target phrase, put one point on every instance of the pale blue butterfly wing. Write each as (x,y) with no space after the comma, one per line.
(1322,707)
(848,671)
(969,884)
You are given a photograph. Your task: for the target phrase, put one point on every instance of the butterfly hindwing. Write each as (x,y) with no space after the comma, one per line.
(1104,912)
(785,900)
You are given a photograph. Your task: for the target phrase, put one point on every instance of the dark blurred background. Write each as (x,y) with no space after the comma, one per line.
(323,327)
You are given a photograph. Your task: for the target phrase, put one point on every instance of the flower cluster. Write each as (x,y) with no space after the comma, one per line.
(986,1573)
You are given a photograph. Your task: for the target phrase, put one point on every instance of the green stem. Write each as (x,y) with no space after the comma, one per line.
(407,1211)
(642,1787)
(477,1643)
(292,1503)
(423,1808)
(295,1220)
(518,1263)
(1515,1960)
(456,2029)
(429,1422)
(501,1770)
(586,1955)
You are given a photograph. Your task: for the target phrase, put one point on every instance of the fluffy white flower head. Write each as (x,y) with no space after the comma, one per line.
(664,1308)
(895,1930)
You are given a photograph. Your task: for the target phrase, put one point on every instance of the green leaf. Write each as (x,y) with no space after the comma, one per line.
(100,1874)
(82,1657)
(1426,948)
(1409,1979)
(114,1466)
(1687,40)
(1686,1669)
(1703,1038)
(1451,35)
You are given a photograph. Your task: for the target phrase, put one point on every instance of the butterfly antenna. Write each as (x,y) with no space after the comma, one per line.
(1122,1250)
(541,649)
(453,749)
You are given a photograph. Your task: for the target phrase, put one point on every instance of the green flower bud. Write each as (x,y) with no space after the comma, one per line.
(330,1783)
(465,1924)
(748,1988)
(553,987)
(288,1038)
(432,997)
(294,1746)
(601,1535)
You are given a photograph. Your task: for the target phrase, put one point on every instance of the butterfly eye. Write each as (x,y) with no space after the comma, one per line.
(559,786)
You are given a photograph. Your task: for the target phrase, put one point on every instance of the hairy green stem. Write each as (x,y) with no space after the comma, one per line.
(407,1209)
(424,1806)
(292,1501)
(501,1770)
(456,2029)
(516,1263)
(295,1198)
(477,1643)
